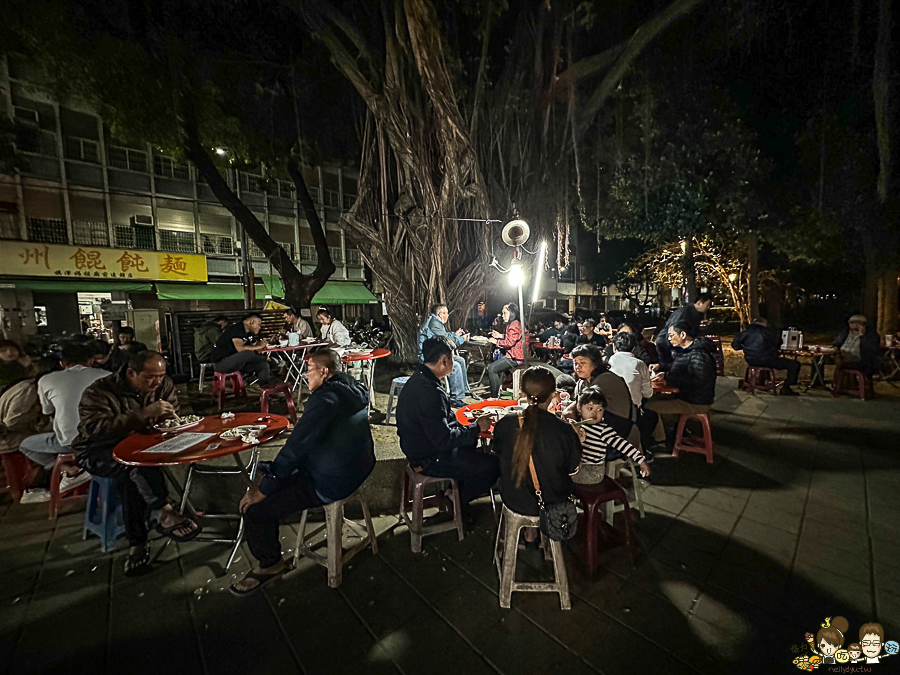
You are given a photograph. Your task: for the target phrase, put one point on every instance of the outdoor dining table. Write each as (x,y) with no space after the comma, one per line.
(296,360)
(366,361)
(817,354)
(463,414)
(660,386)
(485,351)
(198,443)
(551,353)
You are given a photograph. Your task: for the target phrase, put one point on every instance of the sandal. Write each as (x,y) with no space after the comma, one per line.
(170,531)
(136,563)
(259,577)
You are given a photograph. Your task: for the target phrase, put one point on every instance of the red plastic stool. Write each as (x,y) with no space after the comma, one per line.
(237,386)
(267,390)
(56,479)
(699,444)
(20,472)
(844,383)
(591,522)
(759,377)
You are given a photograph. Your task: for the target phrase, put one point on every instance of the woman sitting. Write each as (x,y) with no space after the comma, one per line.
(537,436)
(511,343)
(599,441)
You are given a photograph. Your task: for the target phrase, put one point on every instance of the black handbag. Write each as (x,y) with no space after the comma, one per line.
(558,521)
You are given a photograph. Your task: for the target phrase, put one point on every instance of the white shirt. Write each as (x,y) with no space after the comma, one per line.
(336,332)
(635,373)
(60,394)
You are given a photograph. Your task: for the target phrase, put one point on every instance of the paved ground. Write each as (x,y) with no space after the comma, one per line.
(795,521)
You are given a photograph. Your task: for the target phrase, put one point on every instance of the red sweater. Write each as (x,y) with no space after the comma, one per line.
(512,341)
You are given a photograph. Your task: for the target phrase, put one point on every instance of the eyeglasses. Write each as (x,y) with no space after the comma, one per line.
(871,643)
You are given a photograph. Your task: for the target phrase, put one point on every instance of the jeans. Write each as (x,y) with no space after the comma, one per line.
(475,472)
(496,370)
(262,520)
(790,365)
(141,490)
(459,381)
(43,449)
(250,364)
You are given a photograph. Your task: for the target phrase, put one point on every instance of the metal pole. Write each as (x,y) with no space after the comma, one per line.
(245,268)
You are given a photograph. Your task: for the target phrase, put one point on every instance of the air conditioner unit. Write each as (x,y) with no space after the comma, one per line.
(142,221)
(26,115)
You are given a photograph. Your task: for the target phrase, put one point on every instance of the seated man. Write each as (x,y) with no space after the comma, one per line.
(436,326)
(431,438)
(296,323)
(693,371)
(556,330)
(328,456)
(130,402)
(238,349)
(60,394)
(760,345)
(205,337)
(124,348)
(692,314)
(333,331)
(860,347)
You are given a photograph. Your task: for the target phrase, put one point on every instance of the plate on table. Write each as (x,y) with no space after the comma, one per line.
(242,431)
(478,339)
(172,425)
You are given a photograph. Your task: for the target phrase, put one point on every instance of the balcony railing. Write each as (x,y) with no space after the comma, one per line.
(135,236)
(48,231)
(214,244)
(354,257)
(308,254)
(90,234)
(250,182)
(167,167)
(37,142)
(349,200)
(82,149)
(127,158)
(177,242)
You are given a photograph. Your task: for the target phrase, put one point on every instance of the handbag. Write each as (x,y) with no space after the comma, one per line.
(558,521)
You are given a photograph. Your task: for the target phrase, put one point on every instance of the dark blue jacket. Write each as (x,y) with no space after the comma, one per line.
(332,442)
(427,427)
(759,343)
(694,372)
(686,313)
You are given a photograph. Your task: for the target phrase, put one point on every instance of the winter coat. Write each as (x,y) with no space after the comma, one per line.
(693,371)
(759,343)
(20,414)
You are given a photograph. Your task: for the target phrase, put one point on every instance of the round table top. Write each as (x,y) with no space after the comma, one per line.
(660,386)
(379,353)
(302,345)
(825,350)
(487,403)
(544,345)
(131,450)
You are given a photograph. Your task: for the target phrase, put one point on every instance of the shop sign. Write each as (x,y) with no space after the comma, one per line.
(25,258)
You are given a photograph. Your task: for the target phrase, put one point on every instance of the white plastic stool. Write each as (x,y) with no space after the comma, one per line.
(635,493)
(203,367)
(415,521)
(396,385)
(505,560)
(336,556)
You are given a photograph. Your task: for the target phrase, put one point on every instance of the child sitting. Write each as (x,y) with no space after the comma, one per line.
(599,441)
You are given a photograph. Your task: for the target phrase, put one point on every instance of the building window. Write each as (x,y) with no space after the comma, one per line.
(353,257)
(127,158)
(176,242)
(90,234)
(333,198)
(82,149)
(252,183)
(308,254)
(48,231)
(349,200)
(289,248)
(217,245)
(336,256)
(169,168)
(135,236)
(36,141)
(255,251)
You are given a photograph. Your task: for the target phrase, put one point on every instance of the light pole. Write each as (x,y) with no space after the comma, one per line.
(517,279)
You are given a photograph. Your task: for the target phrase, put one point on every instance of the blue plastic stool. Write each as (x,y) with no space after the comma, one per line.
(396,385)
(103,515)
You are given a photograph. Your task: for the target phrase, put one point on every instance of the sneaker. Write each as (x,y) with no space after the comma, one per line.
(71,482)
(35,496)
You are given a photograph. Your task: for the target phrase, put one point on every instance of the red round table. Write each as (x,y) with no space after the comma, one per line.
(660,386)
(487,403)
(133,452)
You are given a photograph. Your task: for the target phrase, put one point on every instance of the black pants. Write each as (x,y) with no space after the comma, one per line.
(646,424)
(261,522)
(141,490)
(790,365)
(249,363)
(476,472)
(495,372)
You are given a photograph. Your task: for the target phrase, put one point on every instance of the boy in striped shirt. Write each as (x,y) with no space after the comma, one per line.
(599,441)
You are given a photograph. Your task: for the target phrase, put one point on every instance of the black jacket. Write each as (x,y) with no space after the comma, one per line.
(694,372)
(332,442)
(759,343)
(426,426)
(639,353)
(687,313)
(869,349)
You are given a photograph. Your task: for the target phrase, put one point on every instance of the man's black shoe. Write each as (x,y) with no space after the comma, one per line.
(787,391)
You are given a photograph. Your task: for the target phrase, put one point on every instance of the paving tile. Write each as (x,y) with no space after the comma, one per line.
(763,587)
(823,552)
(710,517)
(772,516)
(765,536)
(666,501)
(698,536)
(813,584)
(675,553)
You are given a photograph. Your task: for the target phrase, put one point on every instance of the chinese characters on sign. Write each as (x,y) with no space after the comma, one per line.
(30,259)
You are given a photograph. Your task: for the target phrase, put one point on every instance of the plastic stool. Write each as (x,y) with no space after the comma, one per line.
(414,520)
(592,497)
(219,382)
(699,444)
(759,377)
(56,479)
(863,387)
(336,556)
(203,367)
(20,472)
(103,515)
(396,385)
(506,550)
(266,390)
(635,494)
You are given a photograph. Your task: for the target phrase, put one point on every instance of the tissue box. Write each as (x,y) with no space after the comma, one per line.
(791,339)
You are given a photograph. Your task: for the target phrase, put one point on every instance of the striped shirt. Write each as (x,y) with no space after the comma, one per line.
(601,440)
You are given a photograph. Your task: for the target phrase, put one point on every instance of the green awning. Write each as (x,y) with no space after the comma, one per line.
(344,293)
(205,291)
(332,293)
(79,286)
